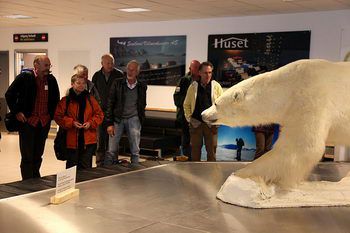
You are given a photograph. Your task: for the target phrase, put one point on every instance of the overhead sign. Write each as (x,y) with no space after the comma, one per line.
(31,37)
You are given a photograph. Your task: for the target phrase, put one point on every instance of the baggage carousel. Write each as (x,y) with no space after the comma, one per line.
(175,197)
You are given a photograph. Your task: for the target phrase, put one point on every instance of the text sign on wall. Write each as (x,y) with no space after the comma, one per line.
(31,37)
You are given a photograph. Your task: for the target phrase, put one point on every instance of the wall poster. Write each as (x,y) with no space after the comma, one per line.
(162,58)
(240,56)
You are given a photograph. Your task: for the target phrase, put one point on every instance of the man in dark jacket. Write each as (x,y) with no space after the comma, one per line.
(33,97)
(179,97)
(103,80)
(126,111)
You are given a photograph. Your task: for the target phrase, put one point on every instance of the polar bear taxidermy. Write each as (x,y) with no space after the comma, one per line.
(310,99)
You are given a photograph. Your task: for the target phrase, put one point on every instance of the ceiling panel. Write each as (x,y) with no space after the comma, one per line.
(71,12)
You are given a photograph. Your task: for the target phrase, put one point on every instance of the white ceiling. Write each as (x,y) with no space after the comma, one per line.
(77,12)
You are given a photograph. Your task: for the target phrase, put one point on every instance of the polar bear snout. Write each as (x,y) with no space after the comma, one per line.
(209,115)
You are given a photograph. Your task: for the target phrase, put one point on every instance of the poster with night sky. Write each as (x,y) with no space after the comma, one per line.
(237,57)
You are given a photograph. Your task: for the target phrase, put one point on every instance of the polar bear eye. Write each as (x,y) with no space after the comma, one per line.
(217,103)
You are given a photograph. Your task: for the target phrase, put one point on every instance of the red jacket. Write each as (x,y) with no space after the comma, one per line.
(93,115)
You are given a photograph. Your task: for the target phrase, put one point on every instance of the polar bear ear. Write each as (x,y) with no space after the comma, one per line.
(237,96)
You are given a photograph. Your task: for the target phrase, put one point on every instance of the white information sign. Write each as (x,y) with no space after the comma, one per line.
(66,180)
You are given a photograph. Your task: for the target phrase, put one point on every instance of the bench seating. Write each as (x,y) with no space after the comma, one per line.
(159,133)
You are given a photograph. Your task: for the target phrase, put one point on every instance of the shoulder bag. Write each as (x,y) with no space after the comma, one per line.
(60,142)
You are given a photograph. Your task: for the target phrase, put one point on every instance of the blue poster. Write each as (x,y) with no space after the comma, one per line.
(227,143)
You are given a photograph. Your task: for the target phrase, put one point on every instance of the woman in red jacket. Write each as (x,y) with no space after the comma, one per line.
(80,114)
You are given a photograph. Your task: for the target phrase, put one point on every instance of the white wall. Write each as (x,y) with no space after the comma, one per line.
(345,44)
(327,39)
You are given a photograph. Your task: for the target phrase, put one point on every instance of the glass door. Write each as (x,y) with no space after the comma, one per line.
(24,58)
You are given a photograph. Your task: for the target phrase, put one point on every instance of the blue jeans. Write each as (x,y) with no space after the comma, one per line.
(132,126)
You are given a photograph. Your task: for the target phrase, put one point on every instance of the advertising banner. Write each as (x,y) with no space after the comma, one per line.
(240,56)
(237,57)
(162,58)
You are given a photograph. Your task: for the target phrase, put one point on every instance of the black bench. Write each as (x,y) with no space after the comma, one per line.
(159,133)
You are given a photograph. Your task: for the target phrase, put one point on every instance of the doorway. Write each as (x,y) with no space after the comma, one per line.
(4,84)
(347,57)
(24,58)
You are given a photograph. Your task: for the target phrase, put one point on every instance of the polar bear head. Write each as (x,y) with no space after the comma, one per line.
(262,99)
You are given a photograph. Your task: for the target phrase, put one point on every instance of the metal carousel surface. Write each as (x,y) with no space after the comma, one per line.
(175,197)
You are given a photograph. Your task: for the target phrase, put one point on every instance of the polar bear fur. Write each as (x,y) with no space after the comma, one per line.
(310,99)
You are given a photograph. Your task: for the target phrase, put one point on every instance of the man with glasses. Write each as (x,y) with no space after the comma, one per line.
(33,97)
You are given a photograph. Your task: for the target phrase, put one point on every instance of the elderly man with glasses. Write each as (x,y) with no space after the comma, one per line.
(33,97)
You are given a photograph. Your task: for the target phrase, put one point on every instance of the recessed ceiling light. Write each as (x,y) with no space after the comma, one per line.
(133,9)
(18,16)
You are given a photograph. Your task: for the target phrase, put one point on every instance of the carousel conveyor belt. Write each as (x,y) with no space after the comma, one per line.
(173,197)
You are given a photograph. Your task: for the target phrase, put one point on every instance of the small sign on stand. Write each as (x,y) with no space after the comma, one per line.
(65,186)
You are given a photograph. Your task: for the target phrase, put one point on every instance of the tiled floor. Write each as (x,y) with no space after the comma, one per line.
(10,159)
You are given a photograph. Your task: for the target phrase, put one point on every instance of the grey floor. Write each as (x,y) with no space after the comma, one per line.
(177,197)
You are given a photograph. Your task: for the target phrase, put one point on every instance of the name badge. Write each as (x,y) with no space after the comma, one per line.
(46,87)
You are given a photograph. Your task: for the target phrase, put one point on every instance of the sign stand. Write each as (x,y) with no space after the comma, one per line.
(65,186)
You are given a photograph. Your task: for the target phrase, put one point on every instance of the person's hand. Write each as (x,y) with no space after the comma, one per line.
(110,130)
(77,124)
(21,117)
(86,125)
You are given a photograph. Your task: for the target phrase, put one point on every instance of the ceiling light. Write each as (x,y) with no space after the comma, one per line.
(18,16)
(133,9)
